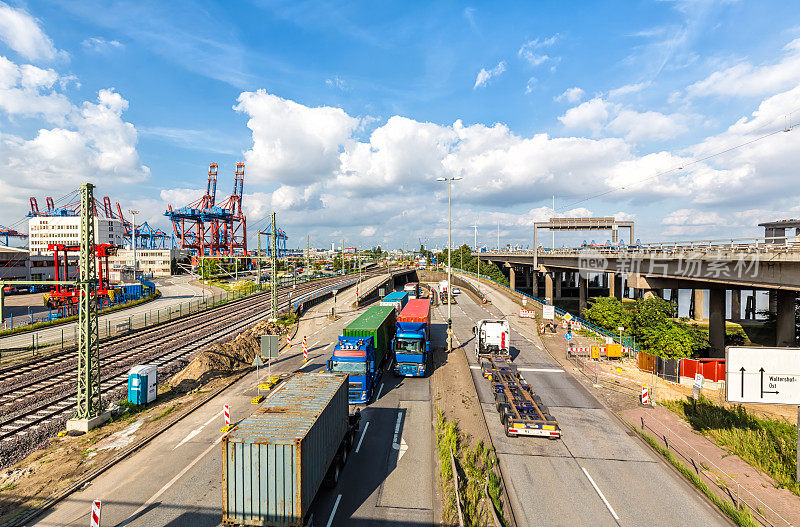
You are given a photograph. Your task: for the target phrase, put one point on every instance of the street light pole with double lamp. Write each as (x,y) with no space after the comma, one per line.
(449,250)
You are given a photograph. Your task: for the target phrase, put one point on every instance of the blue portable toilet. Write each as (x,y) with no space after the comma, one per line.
(143,384)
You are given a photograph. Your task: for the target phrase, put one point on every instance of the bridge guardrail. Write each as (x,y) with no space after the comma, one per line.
(627,342)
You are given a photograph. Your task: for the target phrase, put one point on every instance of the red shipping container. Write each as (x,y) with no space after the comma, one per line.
(416,310)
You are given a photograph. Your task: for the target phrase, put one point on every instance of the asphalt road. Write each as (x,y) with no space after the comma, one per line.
(174,290)
(176,479)
(597,474)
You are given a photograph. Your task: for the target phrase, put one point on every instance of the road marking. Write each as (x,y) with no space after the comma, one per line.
(379,392)
(395,444)
(328,346)
(358,447)
(333,512)
(597,489)
(171,482)
(542,370)
(196,431)
(314,344)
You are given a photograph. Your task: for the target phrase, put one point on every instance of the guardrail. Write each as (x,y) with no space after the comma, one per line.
(318,293)
(585,324)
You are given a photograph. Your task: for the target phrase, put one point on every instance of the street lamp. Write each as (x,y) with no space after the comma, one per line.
(449,250)
(133,239)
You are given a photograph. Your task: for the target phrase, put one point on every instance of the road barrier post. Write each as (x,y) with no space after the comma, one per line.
(227,412)
(96,508)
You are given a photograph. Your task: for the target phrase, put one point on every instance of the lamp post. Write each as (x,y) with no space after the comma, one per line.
(133,239)
(449,250)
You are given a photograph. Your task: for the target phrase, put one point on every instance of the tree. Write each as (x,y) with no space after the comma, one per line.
(609,314)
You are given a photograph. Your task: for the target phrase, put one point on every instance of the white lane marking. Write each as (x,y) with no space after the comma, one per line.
(333,512)
(379,392)
(328,346)
(538,346)
(395,444)
(171,482)
(210,420)
(597,489)
(314,344)
(403,448)
(196,431)
(473,367)
(358,446)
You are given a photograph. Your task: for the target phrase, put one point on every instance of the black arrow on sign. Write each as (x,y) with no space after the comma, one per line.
(762,384)
(742,370)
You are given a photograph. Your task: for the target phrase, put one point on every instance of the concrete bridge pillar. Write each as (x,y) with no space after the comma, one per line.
(649,293)
(773,301)
(785,330)
(583,293)
(716,322)
(750,307)
(736,305)
(512,278)
(535,284)
(612,283)
(548,287)
(697,304)
(673,297)
(617,282)
(558,276)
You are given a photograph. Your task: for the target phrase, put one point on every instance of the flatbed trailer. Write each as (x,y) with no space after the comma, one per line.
(521,410)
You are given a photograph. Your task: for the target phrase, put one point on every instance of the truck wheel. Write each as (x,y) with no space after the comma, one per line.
(343,456)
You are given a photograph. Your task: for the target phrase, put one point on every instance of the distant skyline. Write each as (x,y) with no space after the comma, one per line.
(346,113)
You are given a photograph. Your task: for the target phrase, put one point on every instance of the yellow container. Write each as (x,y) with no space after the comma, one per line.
(595,352)
(614,351)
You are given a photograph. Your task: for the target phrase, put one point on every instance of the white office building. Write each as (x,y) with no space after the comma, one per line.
(44,230)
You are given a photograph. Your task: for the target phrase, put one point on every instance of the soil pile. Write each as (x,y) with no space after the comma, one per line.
(222,359)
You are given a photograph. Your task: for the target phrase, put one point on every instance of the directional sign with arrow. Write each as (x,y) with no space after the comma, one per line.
(763,375)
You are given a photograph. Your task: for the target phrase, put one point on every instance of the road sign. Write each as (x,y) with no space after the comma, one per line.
(568,336)
(269,346)
(762,375)
(698,380)
(548,312)
(567,317)
(257,361)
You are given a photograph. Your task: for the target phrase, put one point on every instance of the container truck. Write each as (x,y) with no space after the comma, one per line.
(397,300)
(492,336)
(274,462)
(522,412)
(412,288)
(361,350)
(411,344)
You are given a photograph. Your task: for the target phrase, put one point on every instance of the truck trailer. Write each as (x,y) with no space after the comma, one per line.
(361,350)
(412,288)
(522,412)
(275,461)
(492,337)
(397,300)
(411,344)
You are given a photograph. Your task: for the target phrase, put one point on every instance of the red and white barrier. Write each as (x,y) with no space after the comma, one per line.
(580,349)
(227,412)
(541,328)
(96,506)
(288,340)
(645,394)
(527,313)
(305,349)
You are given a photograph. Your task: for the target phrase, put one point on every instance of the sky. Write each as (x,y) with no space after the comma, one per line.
(680,115)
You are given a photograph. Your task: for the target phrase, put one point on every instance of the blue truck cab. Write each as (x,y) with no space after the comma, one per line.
(411,344)
(355,356)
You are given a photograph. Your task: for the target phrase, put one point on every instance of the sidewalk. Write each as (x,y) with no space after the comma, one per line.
(725,473)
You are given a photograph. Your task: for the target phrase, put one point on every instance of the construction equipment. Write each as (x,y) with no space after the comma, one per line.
(63,296)
(521,410)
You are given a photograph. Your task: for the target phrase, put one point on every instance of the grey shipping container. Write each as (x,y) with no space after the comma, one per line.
(275,460)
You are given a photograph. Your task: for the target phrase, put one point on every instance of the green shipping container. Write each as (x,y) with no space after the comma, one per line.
(377,322)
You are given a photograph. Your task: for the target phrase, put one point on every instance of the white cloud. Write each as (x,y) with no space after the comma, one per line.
(485,75)
(599,115)
(592,115)
(292,141)
(368,231)
(571,95)
(21,32)
(27,91)
(337,82)
(529,50)
(627,89)
(530,85)
(745,79)
(101,45)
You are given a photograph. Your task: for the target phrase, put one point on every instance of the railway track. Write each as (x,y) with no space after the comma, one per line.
(43,394)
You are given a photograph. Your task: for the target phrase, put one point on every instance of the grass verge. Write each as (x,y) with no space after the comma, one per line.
(477,473)
(741,516)
(767,444)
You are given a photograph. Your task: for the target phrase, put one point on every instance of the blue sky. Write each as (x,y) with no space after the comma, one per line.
(345,113)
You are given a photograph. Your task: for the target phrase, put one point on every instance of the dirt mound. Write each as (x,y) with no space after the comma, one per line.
(222,359)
